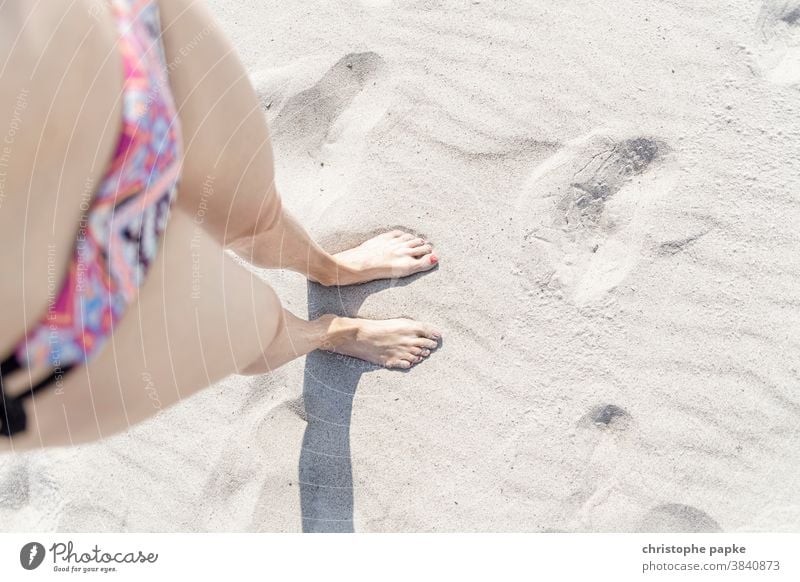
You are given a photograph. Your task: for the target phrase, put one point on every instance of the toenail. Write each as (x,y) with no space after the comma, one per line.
(434,259)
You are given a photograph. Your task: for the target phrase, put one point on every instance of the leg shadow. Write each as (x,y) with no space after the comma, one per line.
(326,477)
(329,386)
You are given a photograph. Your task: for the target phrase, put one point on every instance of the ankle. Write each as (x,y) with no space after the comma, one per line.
(338,330)
(334,272)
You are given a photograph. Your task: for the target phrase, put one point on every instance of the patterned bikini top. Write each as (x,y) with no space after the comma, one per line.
(119,235)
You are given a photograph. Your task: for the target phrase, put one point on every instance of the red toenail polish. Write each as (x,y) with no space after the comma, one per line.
(434,259)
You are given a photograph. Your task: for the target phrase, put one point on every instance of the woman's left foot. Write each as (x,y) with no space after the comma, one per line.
(390,255)
(392,343)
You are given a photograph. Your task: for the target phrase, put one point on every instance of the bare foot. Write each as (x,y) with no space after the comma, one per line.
(390,255)
(393,343)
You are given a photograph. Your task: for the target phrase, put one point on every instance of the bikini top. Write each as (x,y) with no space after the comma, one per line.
(118,236)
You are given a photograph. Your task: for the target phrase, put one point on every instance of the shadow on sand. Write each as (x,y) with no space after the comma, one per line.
(329,386)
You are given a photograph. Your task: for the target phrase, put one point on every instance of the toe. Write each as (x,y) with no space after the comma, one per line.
(419,251)
(407,236)
(426,344)
(395,233)
(425,262)
(425,331)
(432,333)
(425,353)
(402,361)
(415,242)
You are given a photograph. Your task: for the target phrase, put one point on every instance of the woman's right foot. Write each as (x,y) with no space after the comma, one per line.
(392,343)
(390,255)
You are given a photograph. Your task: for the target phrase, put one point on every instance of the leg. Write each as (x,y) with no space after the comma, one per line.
(287,245)
(200,317)
(229,165)
(228,182)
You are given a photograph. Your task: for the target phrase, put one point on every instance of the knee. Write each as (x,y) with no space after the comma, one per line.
(267,219)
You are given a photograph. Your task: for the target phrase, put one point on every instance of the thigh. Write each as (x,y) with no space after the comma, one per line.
(199,318)
(228,179)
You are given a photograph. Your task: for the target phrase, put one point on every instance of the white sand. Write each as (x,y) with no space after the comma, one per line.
(613,191)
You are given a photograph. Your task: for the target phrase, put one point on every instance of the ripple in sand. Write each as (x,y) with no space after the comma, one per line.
(86,517)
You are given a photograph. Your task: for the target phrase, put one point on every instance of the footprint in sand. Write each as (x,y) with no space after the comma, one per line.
(779,31)
(607,417)
(678,518)
(605,438)
(307,120)
(585,211)
(15,487)
(28,494)
(259,489)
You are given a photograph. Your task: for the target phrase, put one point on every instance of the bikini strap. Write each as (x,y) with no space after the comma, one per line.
(12,413)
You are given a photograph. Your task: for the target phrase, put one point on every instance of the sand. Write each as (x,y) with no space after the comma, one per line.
(613,191)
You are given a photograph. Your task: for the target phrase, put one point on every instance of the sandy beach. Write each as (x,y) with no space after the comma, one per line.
(613,190)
